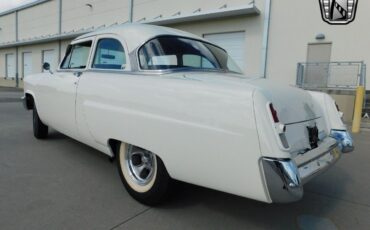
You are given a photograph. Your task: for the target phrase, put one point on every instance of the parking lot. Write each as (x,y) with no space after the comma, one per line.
(60,183)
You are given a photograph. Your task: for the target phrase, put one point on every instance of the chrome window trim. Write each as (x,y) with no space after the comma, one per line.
(90,38)
(124,46)
(136,51)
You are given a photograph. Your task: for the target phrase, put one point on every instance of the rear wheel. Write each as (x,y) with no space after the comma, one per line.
(143,174)
(40,130)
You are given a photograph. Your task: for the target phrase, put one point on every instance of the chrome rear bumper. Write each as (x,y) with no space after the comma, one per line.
(344,139)
(285,177)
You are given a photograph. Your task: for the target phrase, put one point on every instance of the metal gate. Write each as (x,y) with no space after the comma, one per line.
(333,75)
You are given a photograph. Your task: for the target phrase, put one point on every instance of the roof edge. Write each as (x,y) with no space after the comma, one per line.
(22,7)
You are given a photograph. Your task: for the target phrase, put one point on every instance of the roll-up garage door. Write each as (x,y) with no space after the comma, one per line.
(27,64)
(233,43)
(10,66)
(49,57)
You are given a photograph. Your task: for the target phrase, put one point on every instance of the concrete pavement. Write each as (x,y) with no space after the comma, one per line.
(60,183)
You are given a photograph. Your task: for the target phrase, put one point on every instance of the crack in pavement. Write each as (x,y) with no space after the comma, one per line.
(129,219)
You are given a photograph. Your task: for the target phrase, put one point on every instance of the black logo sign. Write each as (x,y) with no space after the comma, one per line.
(338,12)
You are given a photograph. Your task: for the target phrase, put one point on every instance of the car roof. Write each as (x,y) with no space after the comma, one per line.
(135,34)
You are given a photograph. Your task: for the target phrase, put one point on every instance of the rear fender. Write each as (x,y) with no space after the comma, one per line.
(327,106)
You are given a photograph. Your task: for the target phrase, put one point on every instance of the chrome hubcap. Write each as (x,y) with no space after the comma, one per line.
(141,164)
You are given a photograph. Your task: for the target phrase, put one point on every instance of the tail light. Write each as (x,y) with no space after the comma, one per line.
(280,128)
(274,113)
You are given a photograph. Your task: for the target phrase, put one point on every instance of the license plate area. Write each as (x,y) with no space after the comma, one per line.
(317,165)
(313,136)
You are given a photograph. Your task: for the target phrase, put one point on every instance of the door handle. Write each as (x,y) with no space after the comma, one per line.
(77,74)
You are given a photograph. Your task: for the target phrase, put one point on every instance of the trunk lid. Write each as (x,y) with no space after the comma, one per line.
(298,111)
(293,105)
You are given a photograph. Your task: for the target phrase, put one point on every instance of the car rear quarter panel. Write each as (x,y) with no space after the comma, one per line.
(205,133)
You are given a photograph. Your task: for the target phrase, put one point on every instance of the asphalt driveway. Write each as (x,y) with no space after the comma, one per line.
(60,183)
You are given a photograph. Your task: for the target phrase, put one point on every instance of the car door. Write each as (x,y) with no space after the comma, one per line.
(64,84)
(99,89)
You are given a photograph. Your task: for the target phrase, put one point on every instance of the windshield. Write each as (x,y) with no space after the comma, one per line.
(170,52)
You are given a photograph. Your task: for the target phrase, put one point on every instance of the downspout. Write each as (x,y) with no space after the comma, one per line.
(266,35)
(131,10)
(60,32)
(16,51)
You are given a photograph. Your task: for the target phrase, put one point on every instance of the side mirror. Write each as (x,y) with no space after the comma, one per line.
(46,66)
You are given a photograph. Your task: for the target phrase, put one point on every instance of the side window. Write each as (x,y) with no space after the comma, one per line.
(76,56)
(109,54)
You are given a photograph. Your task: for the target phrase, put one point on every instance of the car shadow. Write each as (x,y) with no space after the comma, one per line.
(319,200)
(316,202)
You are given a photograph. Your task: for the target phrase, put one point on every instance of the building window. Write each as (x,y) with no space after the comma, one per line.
(109,55)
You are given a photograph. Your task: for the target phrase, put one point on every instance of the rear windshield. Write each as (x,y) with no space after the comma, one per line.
(171,52)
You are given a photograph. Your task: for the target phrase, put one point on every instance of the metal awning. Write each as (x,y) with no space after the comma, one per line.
(250,9)
(199,15)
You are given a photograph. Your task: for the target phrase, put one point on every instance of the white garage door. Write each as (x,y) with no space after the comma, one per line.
(10,66)
(27,64)
(49,57)
(233,43)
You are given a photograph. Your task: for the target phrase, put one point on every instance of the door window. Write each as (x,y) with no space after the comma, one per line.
(77,56)
(109,55)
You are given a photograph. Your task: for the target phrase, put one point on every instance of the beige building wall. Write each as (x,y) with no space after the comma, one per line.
(292,30)
(37,57)
(7,25)
(39,20)
(36,51)
(78,14)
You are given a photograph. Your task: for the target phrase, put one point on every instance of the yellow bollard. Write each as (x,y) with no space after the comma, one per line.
(360,92)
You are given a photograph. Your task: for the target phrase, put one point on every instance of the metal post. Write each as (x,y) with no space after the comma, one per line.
(266,34)
(16,64)
(356,125)
(59,31)
(131,11)
(16,51)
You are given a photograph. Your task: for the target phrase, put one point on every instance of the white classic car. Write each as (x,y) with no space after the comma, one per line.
(170,105)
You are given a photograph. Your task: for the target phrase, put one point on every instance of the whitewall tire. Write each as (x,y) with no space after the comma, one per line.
(143,174)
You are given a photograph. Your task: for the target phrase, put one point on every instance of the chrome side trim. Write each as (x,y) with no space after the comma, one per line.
(282,180)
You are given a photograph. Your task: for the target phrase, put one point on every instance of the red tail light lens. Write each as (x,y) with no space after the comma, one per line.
(274,113)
